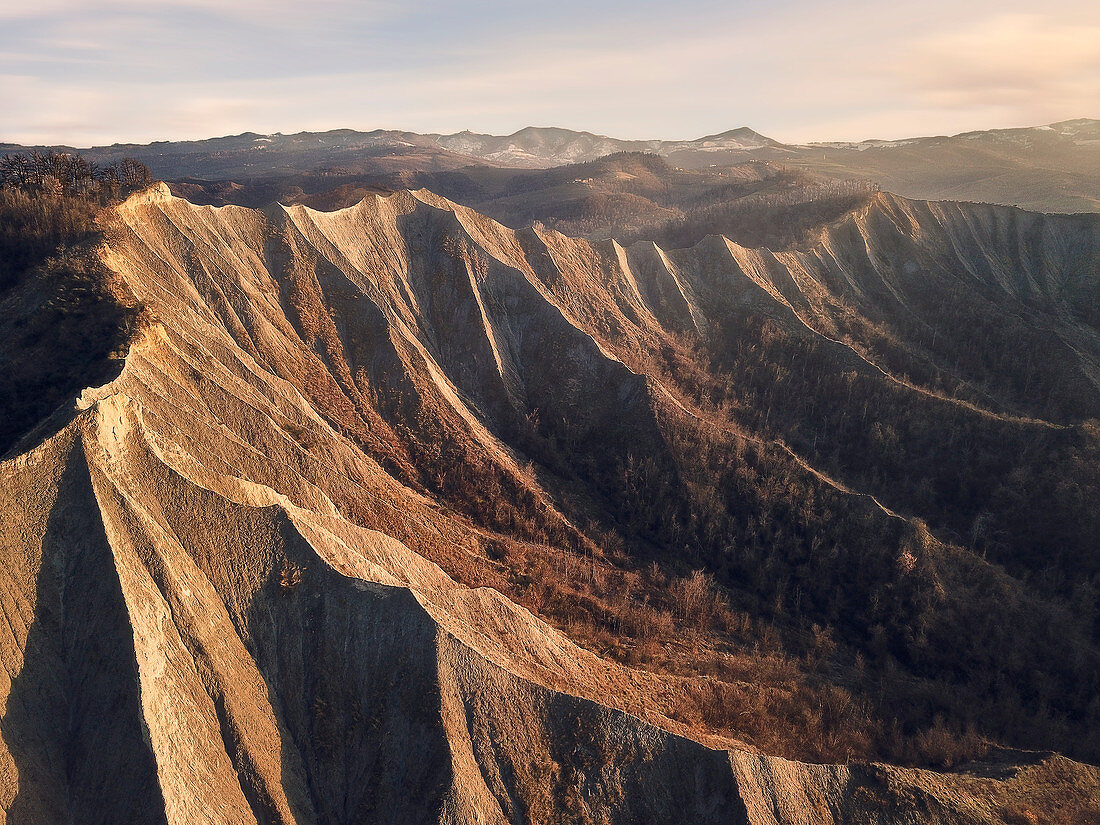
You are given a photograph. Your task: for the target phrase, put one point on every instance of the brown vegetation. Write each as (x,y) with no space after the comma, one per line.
(902,636)
(64,325)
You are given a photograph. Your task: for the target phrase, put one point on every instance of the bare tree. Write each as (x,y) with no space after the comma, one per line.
(61,173)
(134,174)
(16,169)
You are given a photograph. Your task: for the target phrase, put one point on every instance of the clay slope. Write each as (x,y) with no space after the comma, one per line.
(229,575)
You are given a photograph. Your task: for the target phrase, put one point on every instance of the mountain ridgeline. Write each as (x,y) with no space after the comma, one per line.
(394,513)
(1052,168)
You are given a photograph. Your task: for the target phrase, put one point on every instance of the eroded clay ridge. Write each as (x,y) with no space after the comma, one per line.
(218,607)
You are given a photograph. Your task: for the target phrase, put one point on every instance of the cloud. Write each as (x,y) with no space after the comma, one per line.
(1008,60)
(794,69)
(265,12)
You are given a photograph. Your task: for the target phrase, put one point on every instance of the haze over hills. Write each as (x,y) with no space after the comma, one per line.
(541,148)
(255,155)
(394,513)
(251,155)
(1053,168)
(621,195)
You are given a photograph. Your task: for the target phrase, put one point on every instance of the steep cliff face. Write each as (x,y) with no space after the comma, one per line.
(236,579)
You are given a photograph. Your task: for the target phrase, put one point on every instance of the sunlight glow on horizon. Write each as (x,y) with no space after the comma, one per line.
(83,73)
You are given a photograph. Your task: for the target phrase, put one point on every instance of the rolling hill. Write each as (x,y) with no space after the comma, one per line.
(1053,168)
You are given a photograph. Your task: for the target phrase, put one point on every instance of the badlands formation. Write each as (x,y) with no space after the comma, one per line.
(224,574)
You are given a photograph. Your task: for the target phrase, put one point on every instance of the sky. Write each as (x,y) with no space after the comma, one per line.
(90,72)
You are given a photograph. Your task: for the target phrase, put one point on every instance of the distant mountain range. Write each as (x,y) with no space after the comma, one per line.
(1052,168)
(541,148)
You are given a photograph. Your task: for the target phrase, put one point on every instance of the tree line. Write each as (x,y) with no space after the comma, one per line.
(69,174)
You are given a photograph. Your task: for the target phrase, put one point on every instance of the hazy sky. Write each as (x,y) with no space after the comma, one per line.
(88,71)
